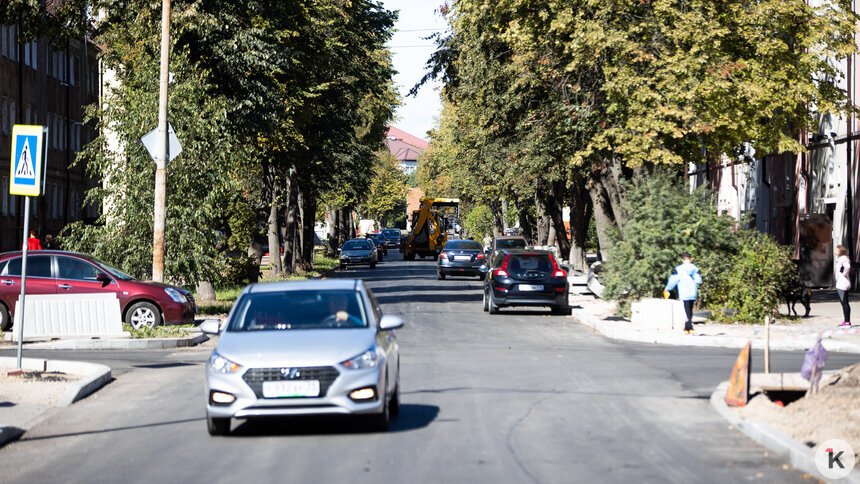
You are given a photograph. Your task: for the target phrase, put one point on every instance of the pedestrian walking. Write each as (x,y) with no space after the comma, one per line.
(843,282)
(686,278)
(33,242)
(49,242)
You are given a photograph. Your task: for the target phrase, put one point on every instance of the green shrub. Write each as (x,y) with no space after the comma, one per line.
(664,221)
(751,282)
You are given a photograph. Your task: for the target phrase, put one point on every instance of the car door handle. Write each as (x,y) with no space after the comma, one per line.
(7,282)
(65,286)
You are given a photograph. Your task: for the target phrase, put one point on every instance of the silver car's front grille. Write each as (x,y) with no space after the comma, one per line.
(255,377)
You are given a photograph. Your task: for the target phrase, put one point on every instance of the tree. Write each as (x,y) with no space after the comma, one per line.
(387,188)
(560,97)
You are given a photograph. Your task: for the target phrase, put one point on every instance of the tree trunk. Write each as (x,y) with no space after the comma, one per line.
(333,228)
(604,219)
(543,223)
(580,216)
(205,291)
(274,232)
(496,211)
(526,227)
(504,207)
(307,206)
(555,207)
(255,253)
(290,222)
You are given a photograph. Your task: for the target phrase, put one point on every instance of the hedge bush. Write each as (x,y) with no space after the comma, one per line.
(741,269)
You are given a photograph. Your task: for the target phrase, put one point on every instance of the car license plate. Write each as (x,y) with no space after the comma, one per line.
(530,287)
(462,257)
(296,388)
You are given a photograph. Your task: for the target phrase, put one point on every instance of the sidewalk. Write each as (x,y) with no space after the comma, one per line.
(798,334)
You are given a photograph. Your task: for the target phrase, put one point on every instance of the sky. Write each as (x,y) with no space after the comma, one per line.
(418,19)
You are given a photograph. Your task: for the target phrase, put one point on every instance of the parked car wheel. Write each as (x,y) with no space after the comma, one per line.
(5,319)
(561,310)
(486,305)
(143,315)
(218,425)
(492,307)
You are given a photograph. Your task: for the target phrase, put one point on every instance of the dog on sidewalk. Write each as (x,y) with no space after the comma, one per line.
(795,293)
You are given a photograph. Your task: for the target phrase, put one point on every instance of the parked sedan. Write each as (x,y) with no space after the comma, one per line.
(381,249)
(519,277)
(358,251)
(144,304)
(304,348)
(461,258)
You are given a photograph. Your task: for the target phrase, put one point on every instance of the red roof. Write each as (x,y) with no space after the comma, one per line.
(403,145)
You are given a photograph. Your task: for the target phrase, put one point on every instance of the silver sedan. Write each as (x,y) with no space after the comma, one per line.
(304,348)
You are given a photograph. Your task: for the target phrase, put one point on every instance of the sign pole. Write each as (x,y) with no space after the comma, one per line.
(20,308)
(160,208)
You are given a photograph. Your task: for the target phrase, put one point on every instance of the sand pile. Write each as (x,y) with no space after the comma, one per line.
(832,413)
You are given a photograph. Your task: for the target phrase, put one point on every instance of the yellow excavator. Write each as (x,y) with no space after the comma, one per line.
(430,226)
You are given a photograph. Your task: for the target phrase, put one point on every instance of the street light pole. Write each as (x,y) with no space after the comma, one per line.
(161,160)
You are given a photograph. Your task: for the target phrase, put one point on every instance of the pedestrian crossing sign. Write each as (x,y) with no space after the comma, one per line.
(26,169)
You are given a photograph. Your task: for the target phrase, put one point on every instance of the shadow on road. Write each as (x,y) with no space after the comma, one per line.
(412,417)
(443,297)
(119,429)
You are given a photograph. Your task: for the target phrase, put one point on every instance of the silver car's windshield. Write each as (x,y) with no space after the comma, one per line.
(291,310)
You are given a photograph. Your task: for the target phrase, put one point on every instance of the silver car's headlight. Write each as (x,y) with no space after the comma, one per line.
(175,295)
(368,359)
(219,364)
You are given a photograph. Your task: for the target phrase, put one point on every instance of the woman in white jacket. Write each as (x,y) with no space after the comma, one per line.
(843,282)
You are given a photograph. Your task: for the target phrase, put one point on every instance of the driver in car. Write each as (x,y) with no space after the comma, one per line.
(337,305)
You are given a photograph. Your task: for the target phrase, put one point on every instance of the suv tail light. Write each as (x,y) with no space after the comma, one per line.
(502,271)
(556,271)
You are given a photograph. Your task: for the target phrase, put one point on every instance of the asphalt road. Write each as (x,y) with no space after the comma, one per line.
(520,397)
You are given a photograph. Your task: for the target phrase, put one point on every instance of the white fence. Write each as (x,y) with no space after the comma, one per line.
(70,315)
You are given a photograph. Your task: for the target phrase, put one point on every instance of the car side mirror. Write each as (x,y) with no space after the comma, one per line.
(103,278)
(389,322)
(210,326)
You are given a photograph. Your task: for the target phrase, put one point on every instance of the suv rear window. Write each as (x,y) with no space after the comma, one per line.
(525,263)
(463,244)
(511,244)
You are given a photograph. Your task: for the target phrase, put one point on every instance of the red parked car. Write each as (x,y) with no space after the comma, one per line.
(143,304)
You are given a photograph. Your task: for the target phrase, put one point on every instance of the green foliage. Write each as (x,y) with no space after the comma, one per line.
(750,279)
(169,331)
(478,222)
(665,221)
(261,88)
(387,189)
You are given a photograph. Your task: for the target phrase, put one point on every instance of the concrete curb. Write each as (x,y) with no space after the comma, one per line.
(611,330)
(94,376)
(121,344)
(799,455)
